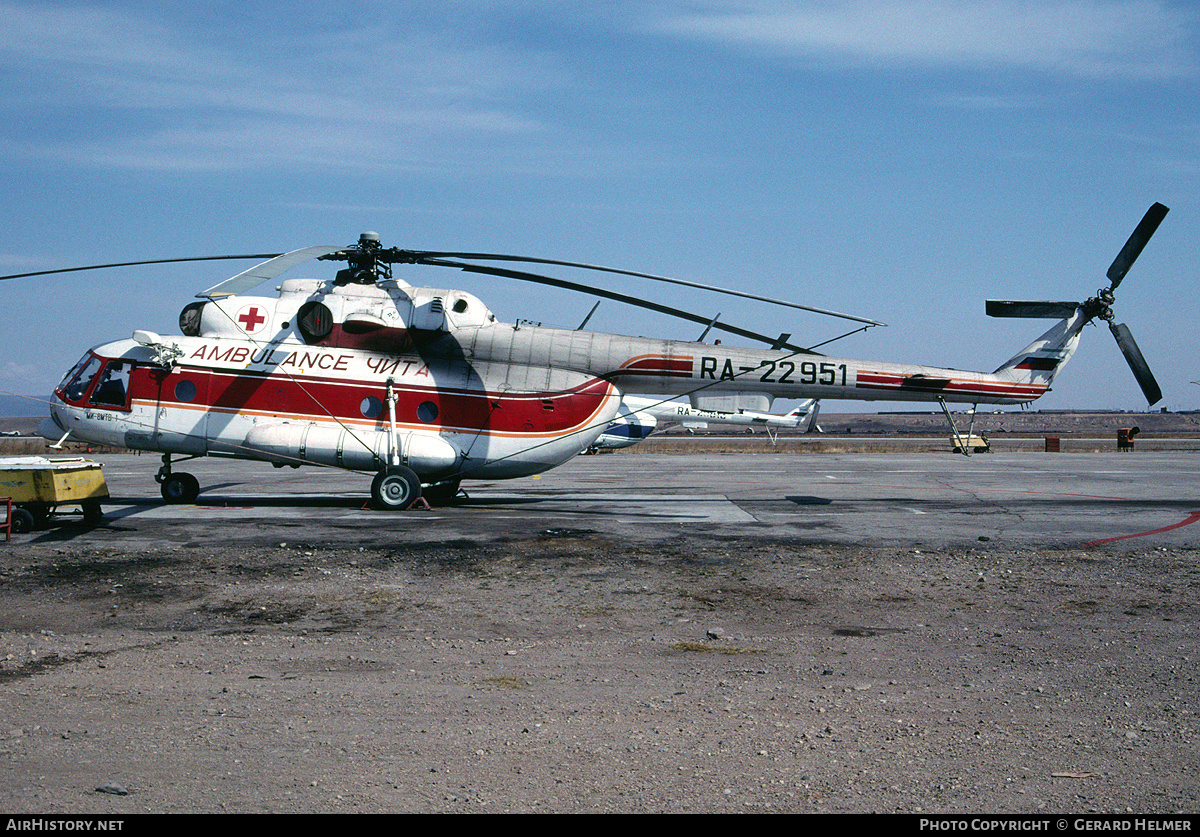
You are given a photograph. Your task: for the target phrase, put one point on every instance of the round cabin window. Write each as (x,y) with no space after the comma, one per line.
(371,407)
(185,391)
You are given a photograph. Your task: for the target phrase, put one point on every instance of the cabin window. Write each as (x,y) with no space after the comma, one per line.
(427,411)
(315,321)
(371,407)
(185,391)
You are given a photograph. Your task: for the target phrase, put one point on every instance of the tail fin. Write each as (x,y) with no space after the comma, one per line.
(806,413)
(1039,362)
(813,427)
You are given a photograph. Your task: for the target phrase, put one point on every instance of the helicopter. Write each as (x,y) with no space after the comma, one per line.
(425,387)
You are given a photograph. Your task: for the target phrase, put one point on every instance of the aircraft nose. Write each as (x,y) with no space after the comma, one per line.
(49,429)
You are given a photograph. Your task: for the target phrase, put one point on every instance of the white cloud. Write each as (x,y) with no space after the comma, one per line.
(130,92)
(1078,37)
(18,378)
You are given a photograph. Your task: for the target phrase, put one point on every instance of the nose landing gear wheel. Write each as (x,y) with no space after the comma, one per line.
(180,488)
(395,489)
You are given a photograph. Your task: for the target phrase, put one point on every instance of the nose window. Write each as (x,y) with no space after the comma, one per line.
(78,385)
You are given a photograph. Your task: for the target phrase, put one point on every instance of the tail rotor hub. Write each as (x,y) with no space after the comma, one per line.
(1097,308)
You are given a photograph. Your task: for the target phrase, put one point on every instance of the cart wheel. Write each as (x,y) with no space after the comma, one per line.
(92,514)
(40,512)
(22,521)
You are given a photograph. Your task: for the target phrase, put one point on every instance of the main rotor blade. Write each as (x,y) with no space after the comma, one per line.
(1133,247)
(269,269)
(631,300)
(132,264)
(1024,308)
(1133,356)
(496,257)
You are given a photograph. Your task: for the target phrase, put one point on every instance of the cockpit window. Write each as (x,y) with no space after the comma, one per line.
(113,388)
(71,373)
(80,378)
(107,381)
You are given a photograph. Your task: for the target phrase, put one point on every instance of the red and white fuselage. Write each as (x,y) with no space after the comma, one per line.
(350,376)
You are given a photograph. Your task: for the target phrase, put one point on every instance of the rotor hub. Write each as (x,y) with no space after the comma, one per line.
(367,261)
(1097,309)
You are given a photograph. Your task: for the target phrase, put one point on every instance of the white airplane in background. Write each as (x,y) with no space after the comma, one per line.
(638,417)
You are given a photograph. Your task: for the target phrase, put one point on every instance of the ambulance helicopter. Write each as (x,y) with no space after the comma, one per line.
(425,387)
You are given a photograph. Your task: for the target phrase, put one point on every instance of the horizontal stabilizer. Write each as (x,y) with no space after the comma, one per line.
(1030,309)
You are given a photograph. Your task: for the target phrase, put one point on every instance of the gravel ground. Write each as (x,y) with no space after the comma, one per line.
(567,673)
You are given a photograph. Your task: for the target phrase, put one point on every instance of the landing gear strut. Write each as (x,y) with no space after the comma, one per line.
(397,486)
(176,488)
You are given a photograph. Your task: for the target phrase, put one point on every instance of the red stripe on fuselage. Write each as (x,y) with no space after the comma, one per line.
(668,366)
(1039,364)
(538,413)
(990,389)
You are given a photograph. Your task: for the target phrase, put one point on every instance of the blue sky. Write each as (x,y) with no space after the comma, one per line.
(902,161)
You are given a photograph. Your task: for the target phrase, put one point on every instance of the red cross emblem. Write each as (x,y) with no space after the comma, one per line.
(251,318)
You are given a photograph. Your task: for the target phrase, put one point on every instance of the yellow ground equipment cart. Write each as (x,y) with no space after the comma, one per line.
(976,443)
(40,486)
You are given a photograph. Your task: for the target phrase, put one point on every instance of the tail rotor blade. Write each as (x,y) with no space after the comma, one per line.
(1137,363)
(1133,247)
(1022,308)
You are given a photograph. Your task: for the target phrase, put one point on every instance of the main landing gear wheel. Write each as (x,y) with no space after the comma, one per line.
(395,489)
(180,488)
(441,493)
